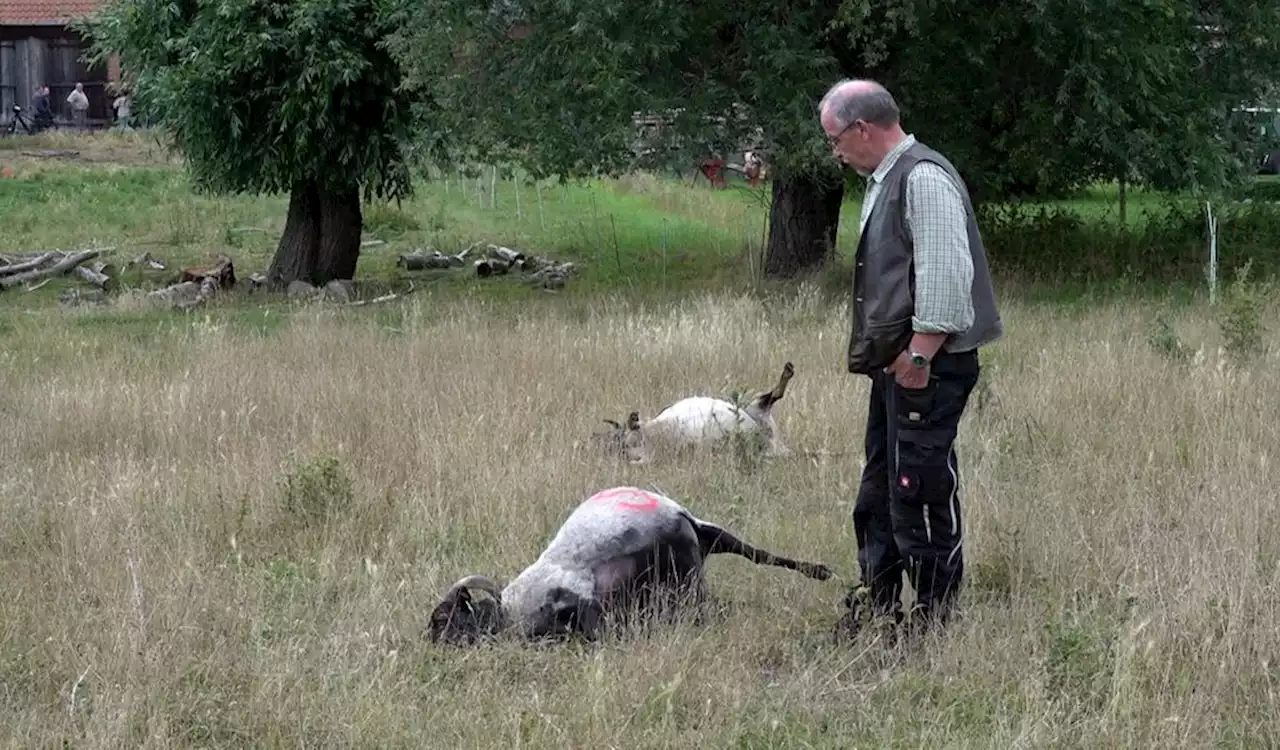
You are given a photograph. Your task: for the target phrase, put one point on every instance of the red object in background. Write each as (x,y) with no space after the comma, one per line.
(713,170)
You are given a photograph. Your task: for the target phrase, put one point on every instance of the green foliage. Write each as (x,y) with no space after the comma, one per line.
(561,100)
(1080,655)
(1026,97)
(261,95)
(317,489)
(1163,338)
(1241,316)
(1169,244)
(1040,98)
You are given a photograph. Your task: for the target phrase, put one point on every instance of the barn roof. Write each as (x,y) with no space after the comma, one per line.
(41,12)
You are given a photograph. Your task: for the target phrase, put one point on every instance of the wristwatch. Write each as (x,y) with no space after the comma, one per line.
(919,361)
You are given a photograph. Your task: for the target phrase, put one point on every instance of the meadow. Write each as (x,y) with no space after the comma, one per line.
(227,528)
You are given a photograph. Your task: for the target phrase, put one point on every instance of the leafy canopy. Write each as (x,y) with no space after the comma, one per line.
(264,95)
(1044,95)
(1026,96)
(562,99)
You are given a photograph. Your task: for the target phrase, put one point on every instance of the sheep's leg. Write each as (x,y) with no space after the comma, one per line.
(715,540)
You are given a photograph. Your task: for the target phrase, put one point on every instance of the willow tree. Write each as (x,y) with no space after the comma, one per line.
(294,97)
(557,87)
(1028,98)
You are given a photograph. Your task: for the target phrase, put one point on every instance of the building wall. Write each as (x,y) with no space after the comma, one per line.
(32,55)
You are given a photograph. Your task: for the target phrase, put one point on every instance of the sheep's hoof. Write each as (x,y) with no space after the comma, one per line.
(819,571)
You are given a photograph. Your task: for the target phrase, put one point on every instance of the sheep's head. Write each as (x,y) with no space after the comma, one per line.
(621,439)
(563,614)
(458,619)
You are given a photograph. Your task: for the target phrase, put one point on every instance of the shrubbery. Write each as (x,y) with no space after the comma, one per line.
(1057,244)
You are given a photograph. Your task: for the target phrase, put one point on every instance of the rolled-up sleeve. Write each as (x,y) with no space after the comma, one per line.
(935,216)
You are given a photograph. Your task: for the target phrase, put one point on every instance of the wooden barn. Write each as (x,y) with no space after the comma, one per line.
(36,47)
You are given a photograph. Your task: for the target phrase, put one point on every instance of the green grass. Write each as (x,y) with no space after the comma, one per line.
(642,236)
(167,580)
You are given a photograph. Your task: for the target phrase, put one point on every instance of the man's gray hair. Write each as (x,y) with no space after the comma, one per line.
(871,102)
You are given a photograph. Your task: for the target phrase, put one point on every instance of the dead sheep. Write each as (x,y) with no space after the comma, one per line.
(699,421)
(622,551)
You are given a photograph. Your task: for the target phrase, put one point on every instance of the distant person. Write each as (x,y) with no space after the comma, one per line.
(79,102)
(922,305)
(123,106)
(42,111)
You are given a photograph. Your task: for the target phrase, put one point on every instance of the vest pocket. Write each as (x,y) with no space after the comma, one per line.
(876,346)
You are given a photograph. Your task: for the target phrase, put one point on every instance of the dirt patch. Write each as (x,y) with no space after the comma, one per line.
(99,148)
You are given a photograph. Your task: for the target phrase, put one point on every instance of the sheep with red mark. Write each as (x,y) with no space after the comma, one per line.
(699,421)
(621,551)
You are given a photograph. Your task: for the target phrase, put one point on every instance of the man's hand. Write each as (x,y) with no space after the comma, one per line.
(908,375)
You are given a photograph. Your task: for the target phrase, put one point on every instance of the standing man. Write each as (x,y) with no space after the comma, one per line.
(922,305)
(43,109)
(79,102)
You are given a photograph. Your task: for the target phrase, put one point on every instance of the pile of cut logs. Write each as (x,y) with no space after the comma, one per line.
(17,269)
(499,261)
(195,284)
(188,288)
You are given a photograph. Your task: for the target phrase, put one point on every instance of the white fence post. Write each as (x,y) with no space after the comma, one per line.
(1212,222)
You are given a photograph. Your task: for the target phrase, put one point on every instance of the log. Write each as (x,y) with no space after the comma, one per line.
(67,263)
(97,275)
(146,260)
(379,300)
(223,273)
(506,254)
(183,296)
(492,267)
(552,276)
(11,258)
(434,259)
(27,265)
(531,263)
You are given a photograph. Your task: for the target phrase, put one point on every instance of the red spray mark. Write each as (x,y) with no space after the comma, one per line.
(615,495)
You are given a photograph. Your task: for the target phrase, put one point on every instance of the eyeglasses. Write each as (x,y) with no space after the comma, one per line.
(832,140)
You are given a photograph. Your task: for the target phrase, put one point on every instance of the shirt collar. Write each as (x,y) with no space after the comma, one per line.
(891,158)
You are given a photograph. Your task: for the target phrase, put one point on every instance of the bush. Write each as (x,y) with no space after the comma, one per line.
(1047,243)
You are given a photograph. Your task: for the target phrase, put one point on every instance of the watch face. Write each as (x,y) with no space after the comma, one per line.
(918,360)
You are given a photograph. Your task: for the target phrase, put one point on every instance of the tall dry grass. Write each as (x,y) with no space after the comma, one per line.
(182,568)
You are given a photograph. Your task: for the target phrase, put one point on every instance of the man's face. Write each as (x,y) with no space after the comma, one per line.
(852,144)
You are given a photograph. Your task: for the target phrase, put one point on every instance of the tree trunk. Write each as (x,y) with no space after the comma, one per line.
(321,240)
(802,224)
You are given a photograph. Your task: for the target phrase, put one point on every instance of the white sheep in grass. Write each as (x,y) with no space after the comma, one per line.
(622,551)
(700,421)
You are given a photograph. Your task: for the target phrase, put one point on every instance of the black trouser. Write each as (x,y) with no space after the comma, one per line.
(907,516)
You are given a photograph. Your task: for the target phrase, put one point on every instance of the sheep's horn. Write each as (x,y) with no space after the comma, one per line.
(484,583)
(613,423)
